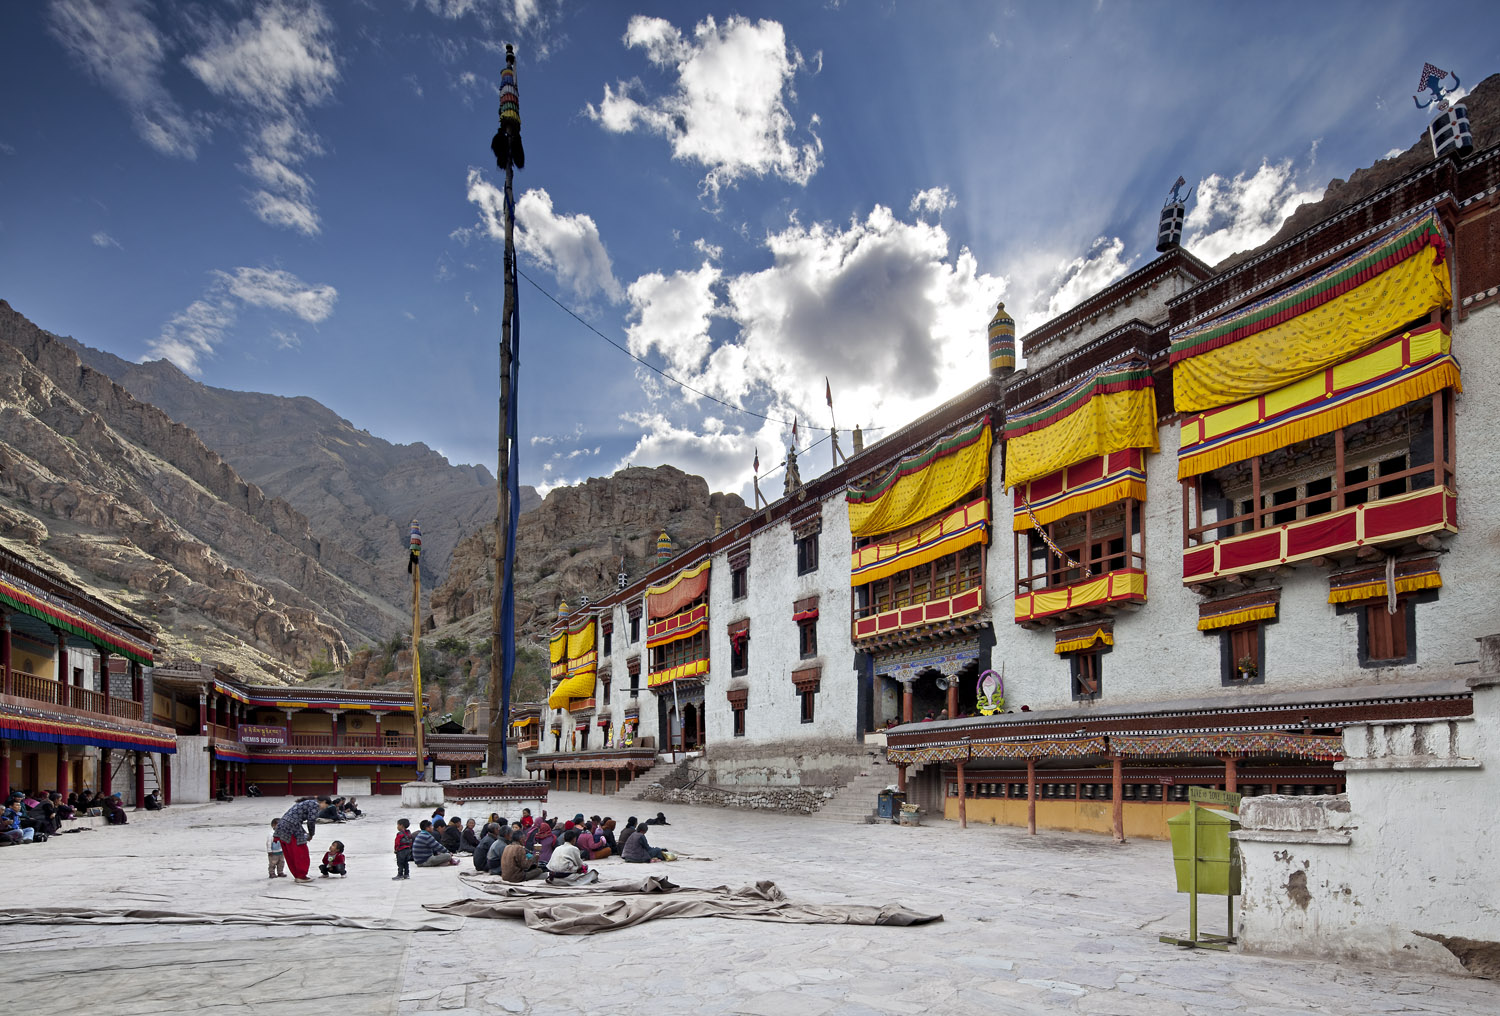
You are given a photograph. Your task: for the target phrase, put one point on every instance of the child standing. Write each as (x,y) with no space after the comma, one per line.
(333,860)
(275,859)
(404,839)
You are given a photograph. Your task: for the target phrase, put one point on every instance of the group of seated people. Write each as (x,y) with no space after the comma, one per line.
(341,809)
(33,817)
(558,854)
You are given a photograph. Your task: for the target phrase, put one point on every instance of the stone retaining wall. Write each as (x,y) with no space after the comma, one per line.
(789,800)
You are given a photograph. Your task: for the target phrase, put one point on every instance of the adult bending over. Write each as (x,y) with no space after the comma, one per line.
(296,827)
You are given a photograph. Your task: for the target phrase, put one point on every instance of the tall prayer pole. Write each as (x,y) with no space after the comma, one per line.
(509,156)
(413,567)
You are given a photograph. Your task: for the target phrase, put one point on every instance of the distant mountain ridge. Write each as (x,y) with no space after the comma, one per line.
(355,489)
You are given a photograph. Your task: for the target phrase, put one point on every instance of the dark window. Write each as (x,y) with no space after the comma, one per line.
(635,629)
(609,638)
(739,721)
(606,682)
(635,683)
(739,653)
(1237,646)
(807,705)
(583,737)
(739,583)
(1386,635)
(1087,674)
(807,554)
(807,639)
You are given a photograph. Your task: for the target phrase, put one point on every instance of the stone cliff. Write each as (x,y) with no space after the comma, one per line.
(133,504)
(573,543)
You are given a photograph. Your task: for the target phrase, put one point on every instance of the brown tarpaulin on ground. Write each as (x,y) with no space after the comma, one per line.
(586,910)
(83,915)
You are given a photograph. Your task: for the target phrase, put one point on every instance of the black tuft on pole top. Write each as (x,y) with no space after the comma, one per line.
(506,144)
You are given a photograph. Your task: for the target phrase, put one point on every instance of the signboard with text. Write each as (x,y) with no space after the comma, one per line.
(1208,795)
(256,733)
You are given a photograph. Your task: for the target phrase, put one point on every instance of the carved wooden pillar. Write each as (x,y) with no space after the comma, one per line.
(906,701)
(140,780)
(1231,774)
(1118,765)
(963,793)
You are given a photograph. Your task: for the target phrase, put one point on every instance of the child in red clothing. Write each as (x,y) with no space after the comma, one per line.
(526,819)
(404,839)
(333,860)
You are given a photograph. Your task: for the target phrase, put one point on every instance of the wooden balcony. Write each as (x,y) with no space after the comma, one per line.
(1406,519)
(1123,585)
(366,742)
(44,690)
(582,705)
(917,615)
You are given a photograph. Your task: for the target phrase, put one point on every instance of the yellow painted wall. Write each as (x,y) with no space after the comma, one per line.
(311,723)
(399,723)
(1144,820)
(32,657)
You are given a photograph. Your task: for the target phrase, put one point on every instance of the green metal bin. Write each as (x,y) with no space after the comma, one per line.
(1218,857)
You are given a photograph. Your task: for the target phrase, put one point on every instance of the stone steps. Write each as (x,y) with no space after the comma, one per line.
(856,801)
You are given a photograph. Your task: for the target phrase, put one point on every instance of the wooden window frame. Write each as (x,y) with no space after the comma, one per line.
(1077,662)
(807,553)
(739,582)
(922,583)
(1230,653)
(739,720)
(809,705)
(1094,551)
(807,639)
(1347,490)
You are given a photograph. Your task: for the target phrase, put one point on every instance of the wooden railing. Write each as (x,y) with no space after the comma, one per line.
(19,684)
(364,741)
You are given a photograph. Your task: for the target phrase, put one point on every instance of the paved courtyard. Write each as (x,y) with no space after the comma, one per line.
(1052,924)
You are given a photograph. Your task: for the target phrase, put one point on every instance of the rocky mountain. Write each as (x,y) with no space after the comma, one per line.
(102,485)
(356,490)
(573,543)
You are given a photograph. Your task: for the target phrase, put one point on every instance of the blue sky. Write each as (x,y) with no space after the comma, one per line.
(298,198)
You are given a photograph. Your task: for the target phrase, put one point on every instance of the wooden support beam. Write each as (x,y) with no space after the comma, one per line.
(963,797)
(1031,796)
(1117,764)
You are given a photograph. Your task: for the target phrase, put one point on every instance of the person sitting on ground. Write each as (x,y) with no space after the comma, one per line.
(332,812)
(469,838)
(567,865)
(65,812)
(440,812)
(44,813)
(333,860)
(11,829)
(526,820)
(252,791)
(349,808)
(224,795)
(637,850)
(153,801)
(114,810)
(502,840)
(427,852)
(660,819)
(590,846)
(450,835)
(86,800)
(482,848)
(544,842)
(517,864)
(607,834)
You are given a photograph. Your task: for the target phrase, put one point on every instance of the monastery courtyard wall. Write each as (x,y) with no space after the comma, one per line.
(1058,923)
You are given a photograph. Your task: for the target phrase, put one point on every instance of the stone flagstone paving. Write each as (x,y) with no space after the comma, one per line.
(1057,923)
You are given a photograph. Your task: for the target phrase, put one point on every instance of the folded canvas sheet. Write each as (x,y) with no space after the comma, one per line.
(587,910)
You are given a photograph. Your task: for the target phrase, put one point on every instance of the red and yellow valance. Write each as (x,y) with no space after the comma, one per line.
(922,484)
(692,668)
(24,724)
(1330,316)
(1093,483)
(678,591)
(1113,587)
(677,627)
(1370,584)
(1399,370)
(1110,410)
(1085,641)
(575,686)
(1322,747)
(1210,620)
(960,528)
(21,596)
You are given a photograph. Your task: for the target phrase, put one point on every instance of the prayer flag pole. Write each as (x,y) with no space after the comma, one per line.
(413,568)
(509,156)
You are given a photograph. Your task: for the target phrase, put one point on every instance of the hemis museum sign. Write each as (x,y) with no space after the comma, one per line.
(255,733)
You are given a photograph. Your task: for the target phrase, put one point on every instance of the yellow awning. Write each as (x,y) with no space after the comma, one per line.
(577,686)
(923,483)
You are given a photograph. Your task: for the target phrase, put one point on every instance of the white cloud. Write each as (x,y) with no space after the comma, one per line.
(103,239)
(194,334)
(712,251)
(280,290)
(118,45)
(728,109)
(1393,153)
(881,307)
(567,245)
(670,314)
(1243,213)
(933,201)
(274,65)
(1072,282)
